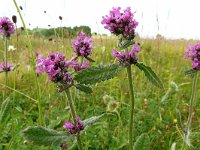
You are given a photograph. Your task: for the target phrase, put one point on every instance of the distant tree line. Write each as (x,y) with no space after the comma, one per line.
(66,32)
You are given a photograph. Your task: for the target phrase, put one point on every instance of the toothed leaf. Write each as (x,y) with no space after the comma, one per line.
(96,74)
(150,74)
(93,119)
(190,72)
(84,88)
(44,136)
(125,44)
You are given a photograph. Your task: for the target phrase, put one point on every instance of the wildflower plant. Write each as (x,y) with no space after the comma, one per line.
(192,53)
(7,28)
(63,73)
(123,25)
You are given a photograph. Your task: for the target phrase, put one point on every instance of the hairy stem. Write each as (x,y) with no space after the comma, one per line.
(73,112)
(131,93)
(40,117)
(6,64)
(192,101)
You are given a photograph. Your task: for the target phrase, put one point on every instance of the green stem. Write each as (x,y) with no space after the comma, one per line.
(73,112)
(192,101)
(13,59)
(6,64)
(131,93)
(40,117)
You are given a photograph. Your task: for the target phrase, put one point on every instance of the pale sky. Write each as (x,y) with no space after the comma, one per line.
(176,18)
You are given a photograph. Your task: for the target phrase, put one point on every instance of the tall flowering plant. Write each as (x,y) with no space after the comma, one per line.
(63,73)
(192,53)
(7,28)
(122,24)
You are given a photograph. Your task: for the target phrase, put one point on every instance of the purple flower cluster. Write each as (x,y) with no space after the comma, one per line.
(193,52)
(55,66)
(74,128)
(120,22)
(6,27)
(127,58)
(82,45)
(4,67)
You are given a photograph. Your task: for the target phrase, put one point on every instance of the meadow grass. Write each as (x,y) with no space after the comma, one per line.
(157,119)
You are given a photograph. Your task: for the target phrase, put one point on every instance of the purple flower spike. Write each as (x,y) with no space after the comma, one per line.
(82,45)
(72,128)
(127,58)
(6,27)
(5,68)
(121,22)
(55,66)
(193,52)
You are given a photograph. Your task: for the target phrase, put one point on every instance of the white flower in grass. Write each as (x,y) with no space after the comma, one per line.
(11,48)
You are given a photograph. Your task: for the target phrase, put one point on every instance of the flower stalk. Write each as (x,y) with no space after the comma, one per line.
(6,62)
(132,104)
(192,101)
(73,112)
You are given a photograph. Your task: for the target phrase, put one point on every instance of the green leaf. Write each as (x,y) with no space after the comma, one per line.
(150,74)
(123,44)
(97,74)
(44,136)
(84,88)
(173,88)
(190,72)
(4,113)
(93,119)
(179,119)
(142,142)
(15,67)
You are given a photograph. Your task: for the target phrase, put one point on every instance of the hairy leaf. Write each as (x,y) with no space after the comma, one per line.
(123,44)
(150,74)
(84,88)
(97,74)
(44,136)
(4,113)
(190,72)
(173,88)
(93,119)
(142,142)
(179,119)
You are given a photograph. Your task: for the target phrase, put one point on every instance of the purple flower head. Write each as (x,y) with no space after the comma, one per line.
(120,22)
(127,58)
(4,67)
(6,27)
(82,45)
(74,128)
(193,52)
(55,66)
(63,146)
